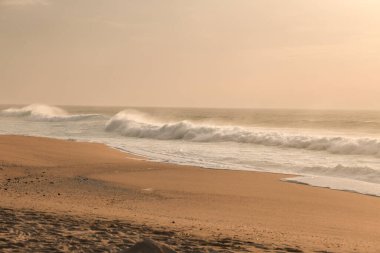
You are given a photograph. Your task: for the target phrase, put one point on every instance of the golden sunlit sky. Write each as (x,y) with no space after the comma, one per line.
(195,53)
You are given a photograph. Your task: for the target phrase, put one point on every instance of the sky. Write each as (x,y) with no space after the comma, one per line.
(306,54)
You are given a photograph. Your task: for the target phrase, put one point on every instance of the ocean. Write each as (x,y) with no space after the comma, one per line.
(335,149)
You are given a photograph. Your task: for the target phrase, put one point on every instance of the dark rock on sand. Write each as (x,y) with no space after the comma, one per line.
(149,246)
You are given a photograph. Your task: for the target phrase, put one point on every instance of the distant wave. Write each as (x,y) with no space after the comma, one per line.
(136,124)
(40,112)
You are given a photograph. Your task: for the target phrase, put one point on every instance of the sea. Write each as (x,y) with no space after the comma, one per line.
(334,149)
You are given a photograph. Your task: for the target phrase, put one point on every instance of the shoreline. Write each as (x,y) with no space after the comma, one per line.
(288,178)
(95,180)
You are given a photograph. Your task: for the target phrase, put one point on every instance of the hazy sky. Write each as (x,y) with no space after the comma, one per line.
(205,53)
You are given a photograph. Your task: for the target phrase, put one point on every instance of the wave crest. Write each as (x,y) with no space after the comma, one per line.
(41,112)
(134,124)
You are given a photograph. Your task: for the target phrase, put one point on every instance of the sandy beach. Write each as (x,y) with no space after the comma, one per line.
(81,197)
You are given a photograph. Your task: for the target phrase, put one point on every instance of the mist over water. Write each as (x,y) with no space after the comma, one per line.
(336,149)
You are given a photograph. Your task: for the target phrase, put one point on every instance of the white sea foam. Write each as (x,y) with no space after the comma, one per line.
(141,126)
(41,112)
(360,173)
(343,184)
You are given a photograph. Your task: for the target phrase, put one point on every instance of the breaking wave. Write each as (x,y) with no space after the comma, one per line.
(136,124)
(40,112)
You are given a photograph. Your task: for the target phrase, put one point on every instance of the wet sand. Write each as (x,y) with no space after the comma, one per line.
(91,197)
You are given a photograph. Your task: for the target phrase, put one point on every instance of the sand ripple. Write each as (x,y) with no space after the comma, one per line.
(31,231)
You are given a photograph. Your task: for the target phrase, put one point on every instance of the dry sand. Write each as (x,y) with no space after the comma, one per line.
(70,196)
